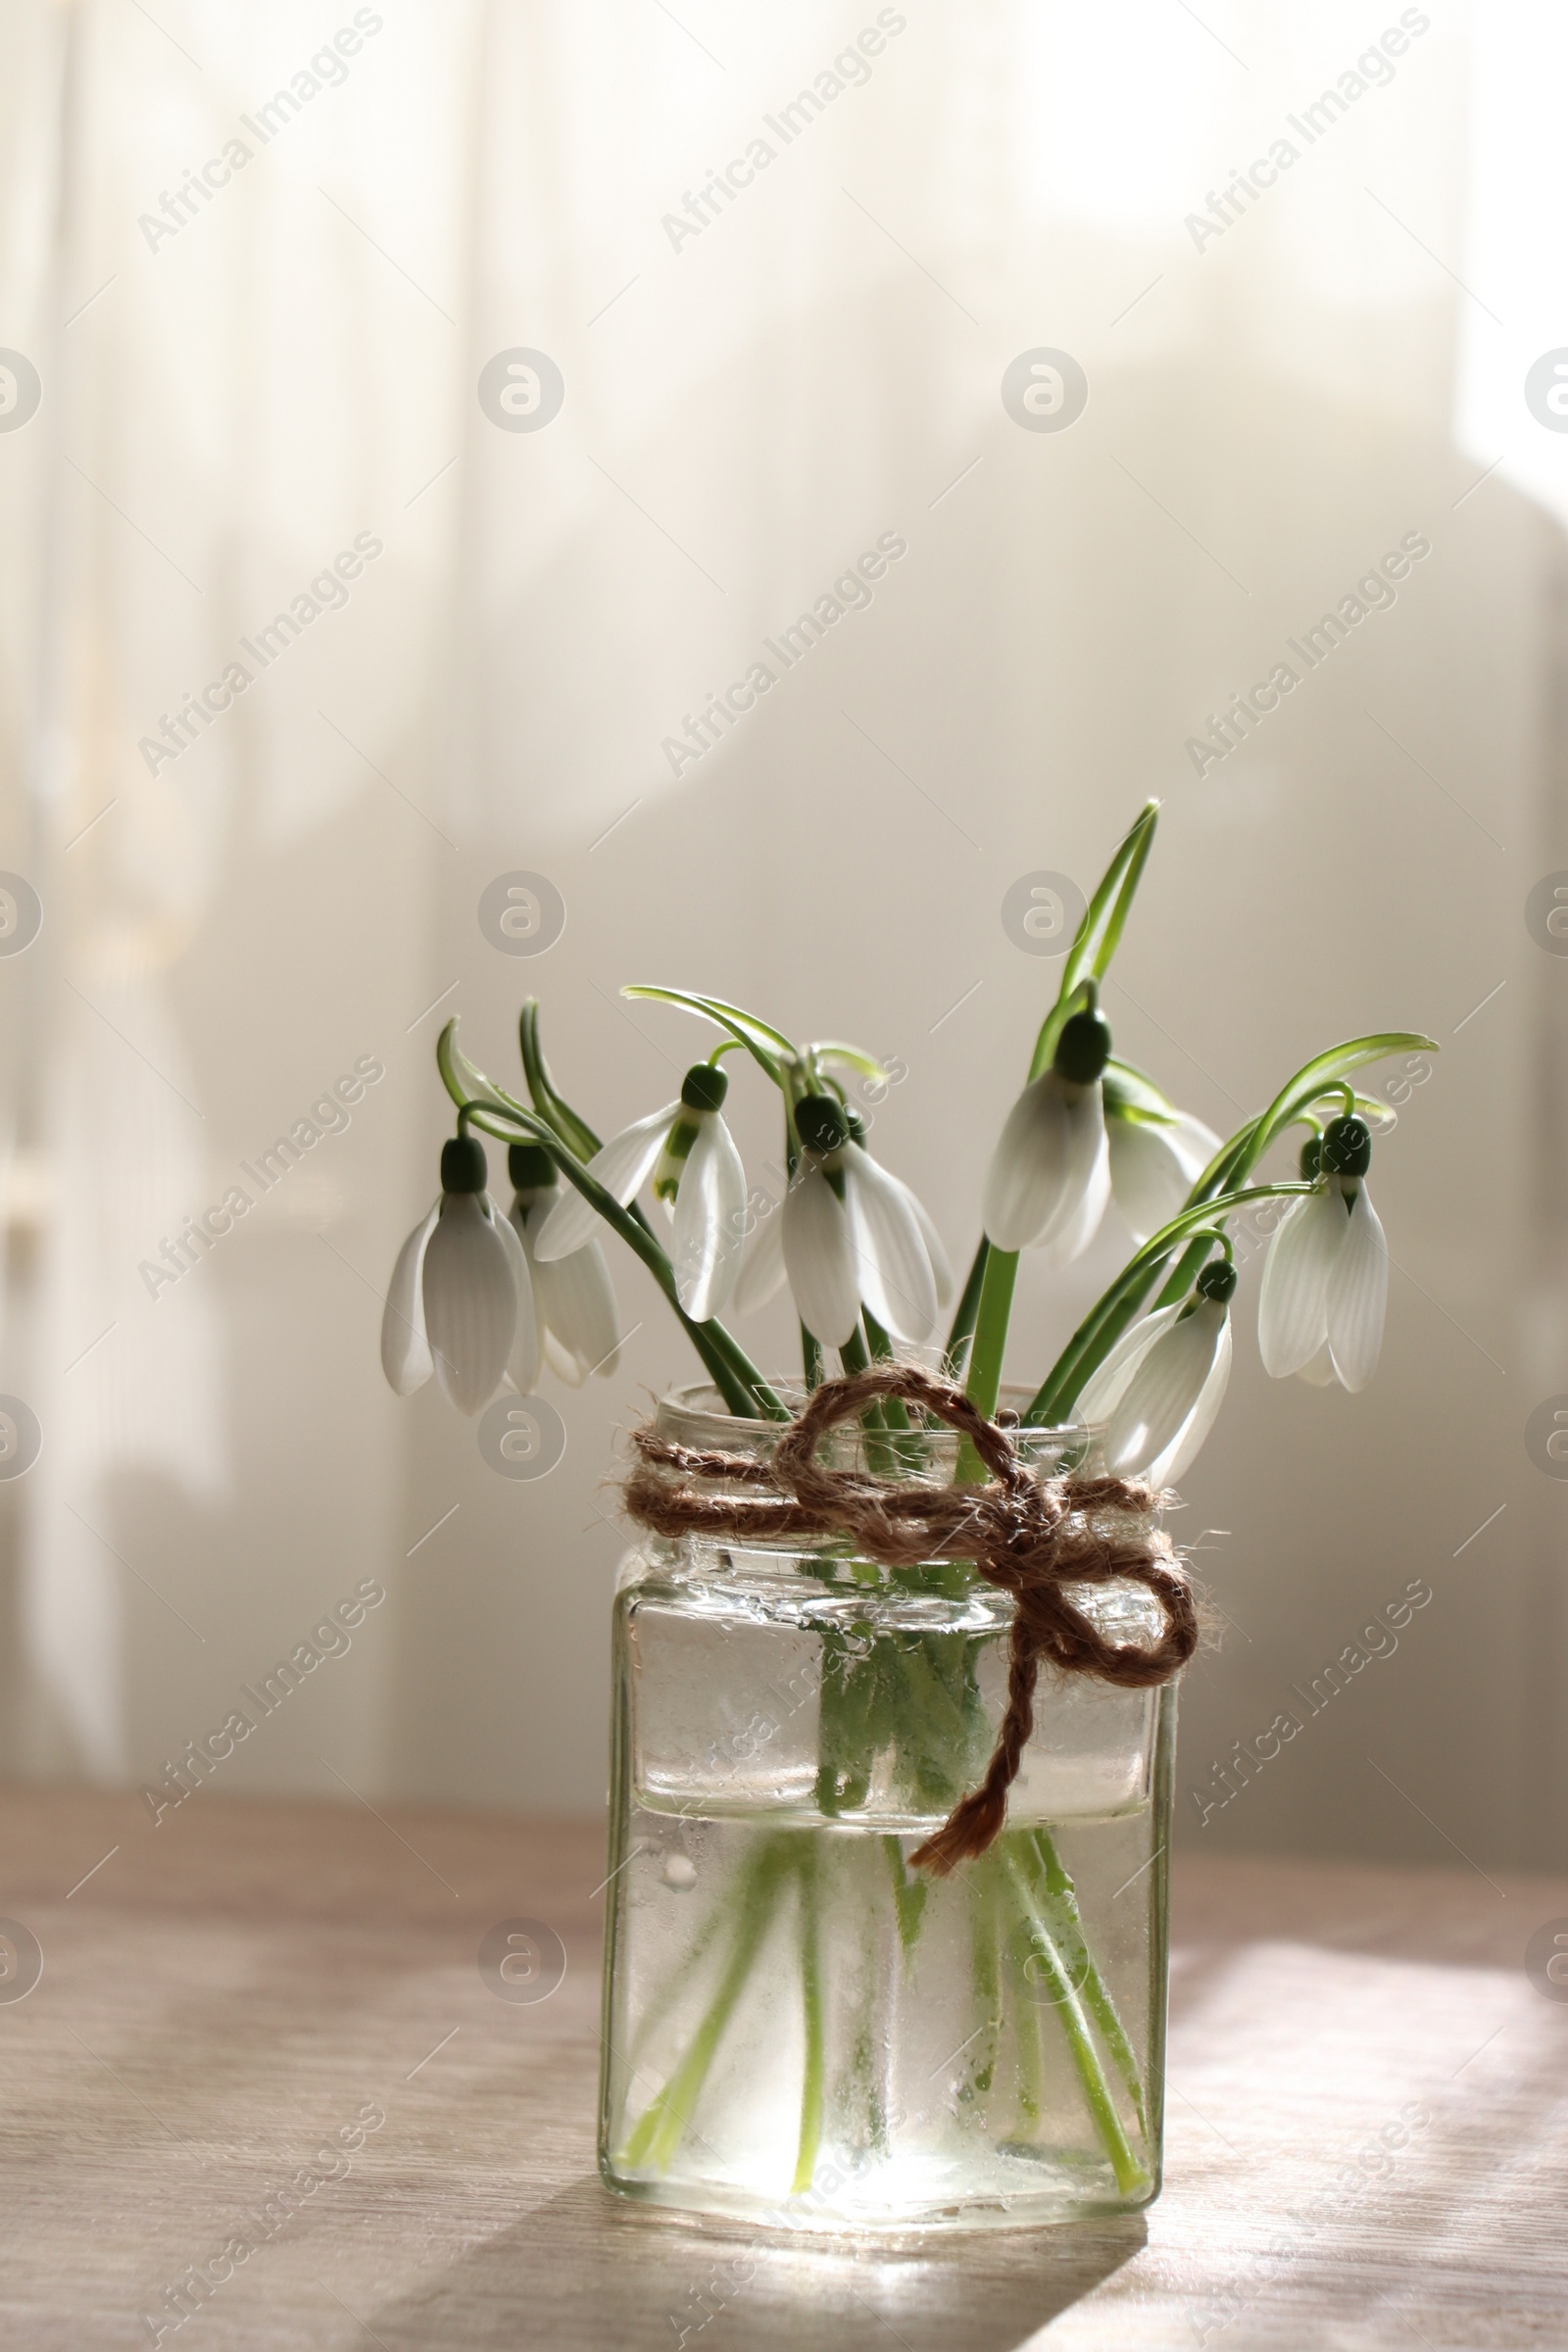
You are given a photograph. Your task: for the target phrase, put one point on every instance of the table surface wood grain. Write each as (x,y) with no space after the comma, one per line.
(229,1988)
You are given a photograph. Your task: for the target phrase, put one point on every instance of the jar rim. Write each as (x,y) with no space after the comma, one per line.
(694,1415)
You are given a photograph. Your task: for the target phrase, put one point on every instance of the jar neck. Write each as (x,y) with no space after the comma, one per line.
(900,1445)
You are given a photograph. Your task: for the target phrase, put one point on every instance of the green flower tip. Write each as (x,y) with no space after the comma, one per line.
(462,1166)
(531,1167)
(1311,1160)
(1347,1146)
(1218,1281)
(1083,1048)
(705,1087)
(820,1123)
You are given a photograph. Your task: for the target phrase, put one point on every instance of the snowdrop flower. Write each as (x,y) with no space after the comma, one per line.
(850,1232)
(1050,1175)
(1159,1392)
(690,1155)
(763,1272)
(453,1305)
(1154,1166)
(570,1304)
(1326,1278)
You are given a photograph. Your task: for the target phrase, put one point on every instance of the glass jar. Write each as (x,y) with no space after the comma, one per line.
(799,2029)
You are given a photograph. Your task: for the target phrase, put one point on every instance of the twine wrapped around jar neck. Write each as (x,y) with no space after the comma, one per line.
(1027,1535)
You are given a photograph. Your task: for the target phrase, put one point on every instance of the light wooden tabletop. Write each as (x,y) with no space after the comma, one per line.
(231,1989)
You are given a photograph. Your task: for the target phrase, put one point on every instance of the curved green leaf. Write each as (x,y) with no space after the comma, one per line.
(464,1081)
(1325,1072)
(573,1130)
(764,1045)
(1100,933)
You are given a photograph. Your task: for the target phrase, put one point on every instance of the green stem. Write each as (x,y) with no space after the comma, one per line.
(908,1896)
(855,1356)
(811,2085)
(985,1948)
(1031,2041)
(895,1414)
(675,1982)
(983,1383)
(1063,1896)
(968,1306)
(910,1447)
(663,2122)
(1130,2173)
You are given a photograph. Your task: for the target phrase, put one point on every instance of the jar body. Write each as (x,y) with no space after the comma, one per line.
(800,2030)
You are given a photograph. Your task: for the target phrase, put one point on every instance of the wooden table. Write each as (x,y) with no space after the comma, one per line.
(236,1986)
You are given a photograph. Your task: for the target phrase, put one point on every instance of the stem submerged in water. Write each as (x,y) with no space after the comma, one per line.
(1131,2176)
(1061,1900)
(811,2080)
(665,2120)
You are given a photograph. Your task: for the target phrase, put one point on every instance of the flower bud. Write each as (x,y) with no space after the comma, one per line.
(1312,1159)
(819,1123)
(1217,1281)
(1347,1146)
(705,1086)
(462,1166)
(531,1167)
(1083,1048)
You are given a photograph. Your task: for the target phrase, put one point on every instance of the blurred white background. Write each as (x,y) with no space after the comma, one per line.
(228,402)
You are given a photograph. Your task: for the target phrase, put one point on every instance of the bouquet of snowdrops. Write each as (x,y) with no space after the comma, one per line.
(482,1298)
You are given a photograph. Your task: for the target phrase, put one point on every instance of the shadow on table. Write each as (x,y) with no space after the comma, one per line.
(584,2271)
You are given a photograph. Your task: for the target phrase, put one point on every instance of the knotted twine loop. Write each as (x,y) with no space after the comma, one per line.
(1027,1535)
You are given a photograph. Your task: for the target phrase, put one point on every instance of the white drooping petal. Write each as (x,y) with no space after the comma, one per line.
(522,1365)
(1027,1178)
(893,1265)
(1088,1183)
(623,1166)
(1319,1373)
(1103,1389)
(1178,1459)
(710,1232)
(940,1264)
(1195,1143)
(763,1273)
(406,1356)
(819,1257)
(1293,1298)
(470,1301)
(1163,1393)
(1152,1169)
(1357,1294)
(576,1302)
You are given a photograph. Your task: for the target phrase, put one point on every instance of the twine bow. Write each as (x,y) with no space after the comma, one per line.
(1027,1535)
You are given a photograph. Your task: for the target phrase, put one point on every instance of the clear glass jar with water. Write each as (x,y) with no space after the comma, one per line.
(800,2029)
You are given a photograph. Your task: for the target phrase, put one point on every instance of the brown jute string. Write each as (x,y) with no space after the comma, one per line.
(1029,1536)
